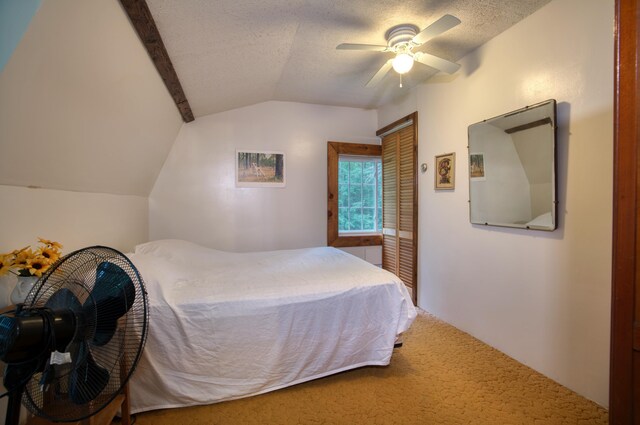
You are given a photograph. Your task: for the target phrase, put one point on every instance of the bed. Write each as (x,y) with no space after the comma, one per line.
(230,325)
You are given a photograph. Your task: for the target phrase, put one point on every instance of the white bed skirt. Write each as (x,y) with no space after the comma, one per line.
(225,326)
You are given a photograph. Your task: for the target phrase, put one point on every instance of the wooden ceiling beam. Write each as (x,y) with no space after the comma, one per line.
(142,20)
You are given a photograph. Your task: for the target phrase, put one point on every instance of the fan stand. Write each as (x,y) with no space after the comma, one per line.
(103,417)
(13,406)
(56,311)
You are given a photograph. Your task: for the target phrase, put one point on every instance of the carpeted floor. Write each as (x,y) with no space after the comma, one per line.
(440,376)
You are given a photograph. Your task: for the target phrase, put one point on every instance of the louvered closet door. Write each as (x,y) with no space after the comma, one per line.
(406,207)
(399,203)
(390,203)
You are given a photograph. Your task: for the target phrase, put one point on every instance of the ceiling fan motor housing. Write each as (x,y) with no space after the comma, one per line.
(400,36)
(401,40)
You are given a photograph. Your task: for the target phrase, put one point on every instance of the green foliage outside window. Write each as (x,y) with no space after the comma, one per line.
(359,196)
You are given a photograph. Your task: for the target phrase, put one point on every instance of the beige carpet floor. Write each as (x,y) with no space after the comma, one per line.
(440,376)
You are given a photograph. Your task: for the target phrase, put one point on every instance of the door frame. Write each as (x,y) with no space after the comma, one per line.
(625,337)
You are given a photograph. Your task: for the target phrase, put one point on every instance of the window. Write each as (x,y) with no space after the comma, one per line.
(359,195)
(354,195)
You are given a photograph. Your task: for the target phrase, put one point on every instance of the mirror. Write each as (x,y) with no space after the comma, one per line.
(512,169)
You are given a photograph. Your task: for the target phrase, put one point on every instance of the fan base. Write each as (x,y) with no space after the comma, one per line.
(103,417)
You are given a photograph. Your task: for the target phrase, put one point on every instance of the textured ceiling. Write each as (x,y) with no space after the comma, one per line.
(232,53)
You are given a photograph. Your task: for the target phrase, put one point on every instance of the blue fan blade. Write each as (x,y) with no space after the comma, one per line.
(15,375)
(111,297)
(61,303)
(87,379)
(8,333)
(64,299)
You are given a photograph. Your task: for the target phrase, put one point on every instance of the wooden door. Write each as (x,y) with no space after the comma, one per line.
(624,394)
(400,200)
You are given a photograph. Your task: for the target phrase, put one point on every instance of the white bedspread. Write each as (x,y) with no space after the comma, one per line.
(225,325)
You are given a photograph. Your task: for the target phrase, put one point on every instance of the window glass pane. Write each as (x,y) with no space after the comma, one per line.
(355,173)
(359,193)
(355,219)
(368,219)
(369,196)
(343,172)
(379,196)
(343,219)
(369,173)
(343,195)
(355,196)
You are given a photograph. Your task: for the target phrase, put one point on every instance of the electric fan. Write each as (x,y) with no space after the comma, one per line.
(76,340)
(401,40)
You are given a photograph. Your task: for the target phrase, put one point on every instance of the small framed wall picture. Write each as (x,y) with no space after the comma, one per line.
(260,169)
(445,171)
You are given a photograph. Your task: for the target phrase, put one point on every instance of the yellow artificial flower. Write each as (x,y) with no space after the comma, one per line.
(50,254)
(26,262)
(38,265)
(6,261)
(18,251)
(21,260)
(51,244)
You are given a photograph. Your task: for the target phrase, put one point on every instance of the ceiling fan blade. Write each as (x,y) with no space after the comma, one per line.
(438,27)
(436,62)
(380,74)
(369,47)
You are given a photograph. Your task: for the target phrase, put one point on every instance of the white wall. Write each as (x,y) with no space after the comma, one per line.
(81,99)
(195,197)
(74,219)
(542,298)
(405,104)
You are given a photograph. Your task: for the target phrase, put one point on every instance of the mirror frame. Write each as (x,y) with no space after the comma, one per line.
(554,178)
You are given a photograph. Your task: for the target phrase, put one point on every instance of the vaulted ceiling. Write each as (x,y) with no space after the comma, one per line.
(230,53)
(83,108)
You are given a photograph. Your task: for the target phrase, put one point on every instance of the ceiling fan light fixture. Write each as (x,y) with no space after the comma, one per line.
(401,40)
(403,63)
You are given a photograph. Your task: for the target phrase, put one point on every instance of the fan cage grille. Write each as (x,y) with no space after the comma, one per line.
(77,273)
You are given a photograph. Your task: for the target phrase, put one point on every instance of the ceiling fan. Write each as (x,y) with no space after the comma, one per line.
(401,40)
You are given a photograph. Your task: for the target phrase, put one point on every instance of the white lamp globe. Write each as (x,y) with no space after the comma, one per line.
(402,63)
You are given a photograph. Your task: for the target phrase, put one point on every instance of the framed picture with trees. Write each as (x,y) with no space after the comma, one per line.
(260,169)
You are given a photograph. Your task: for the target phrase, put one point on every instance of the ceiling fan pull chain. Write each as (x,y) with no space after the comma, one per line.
(400,80)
